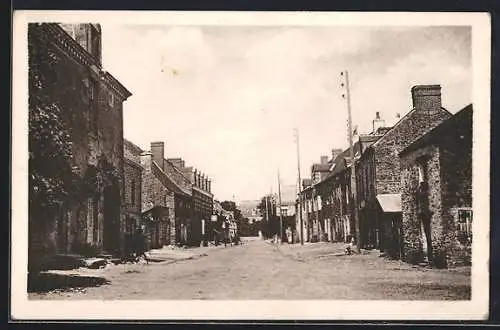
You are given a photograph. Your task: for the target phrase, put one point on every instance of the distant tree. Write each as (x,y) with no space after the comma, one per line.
(231,206)
(270,223)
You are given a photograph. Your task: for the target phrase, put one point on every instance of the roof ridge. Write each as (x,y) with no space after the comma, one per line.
(168,177)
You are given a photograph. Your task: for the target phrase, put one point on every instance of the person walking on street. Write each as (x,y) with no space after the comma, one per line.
(140,245)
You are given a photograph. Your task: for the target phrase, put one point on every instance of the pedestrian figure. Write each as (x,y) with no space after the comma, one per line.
(130,249)
(140,245)
(350,247)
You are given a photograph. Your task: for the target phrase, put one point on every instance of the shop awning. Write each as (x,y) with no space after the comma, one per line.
(390,203)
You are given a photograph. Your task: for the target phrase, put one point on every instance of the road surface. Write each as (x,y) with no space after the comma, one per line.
(261,270)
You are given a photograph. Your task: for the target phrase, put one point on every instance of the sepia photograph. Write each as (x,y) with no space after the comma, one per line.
(232,165)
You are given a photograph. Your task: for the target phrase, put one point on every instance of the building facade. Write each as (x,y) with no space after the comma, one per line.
(65,61)
(382,174)
(133,187)
(203,200)
(437,194)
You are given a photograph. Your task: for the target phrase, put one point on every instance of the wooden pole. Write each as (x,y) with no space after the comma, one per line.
(353,162)
(300,189)
(279,201)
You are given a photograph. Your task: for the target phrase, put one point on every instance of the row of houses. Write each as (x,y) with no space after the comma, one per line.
(411,192)
(168,199)
(116,186)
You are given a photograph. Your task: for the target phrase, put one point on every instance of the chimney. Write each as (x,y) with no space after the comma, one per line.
(146,158)
(336,153)
(206,183)
(177,162)
(324,159)
(426,97)
(195,177)
(198,179)
(209,186)
(188,173)
(158,151)
(377,122)
(202,181)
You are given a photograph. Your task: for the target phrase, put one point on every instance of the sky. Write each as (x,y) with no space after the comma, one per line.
(227,98)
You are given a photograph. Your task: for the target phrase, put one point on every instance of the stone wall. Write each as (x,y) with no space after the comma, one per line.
(386,149)
(448,155)
(133,185)
(412,221)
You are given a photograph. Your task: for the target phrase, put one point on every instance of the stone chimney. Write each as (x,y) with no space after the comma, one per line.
(195,177)
(206,183)
(158,151)
(209,186)
(426,97)
(377,122)
(188,173)
(336,152)
(324,159)
(202,182)
(198,179)
(177,162)
(146,158)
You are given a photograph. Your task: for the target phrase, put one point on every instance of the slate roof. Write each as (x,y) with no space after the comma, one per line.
(167,180)
(321,167)
(463,117)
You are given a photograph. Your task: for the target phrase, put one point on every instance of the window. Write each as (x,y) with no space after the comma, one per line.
(132,192)
(464,225)
(93,109)
(111,99)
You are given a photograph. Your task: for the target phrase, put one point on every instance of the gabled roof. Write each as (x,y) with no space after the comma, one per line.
(167,181)
(404,118)
(320,167)
(462,117)
(177,175)
(132,146)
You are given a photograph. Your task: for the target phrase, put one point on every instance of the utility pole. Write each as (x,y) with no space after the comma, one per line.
(347,96)
(300,188)
(279,201)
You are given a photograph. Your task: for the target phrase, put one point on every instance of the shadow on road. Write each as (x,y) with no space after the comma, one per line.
(433,290)
(46,282)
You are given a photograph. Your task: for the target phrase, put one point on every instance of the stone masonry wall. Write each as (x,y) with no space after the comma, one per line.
(387,167)
(413,240)
(133,178)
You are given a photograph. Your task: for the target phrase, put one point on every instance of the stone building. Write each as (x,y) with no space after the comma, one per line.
(334,192)
(203,201)
(365,188)
(91,104)
(380,172)
(133,187)
(436,182)
(166,201)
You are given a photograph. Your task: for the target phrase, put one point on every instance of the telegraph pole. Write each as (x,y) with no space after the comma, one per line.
(347,96)
(279,201)
(300,189)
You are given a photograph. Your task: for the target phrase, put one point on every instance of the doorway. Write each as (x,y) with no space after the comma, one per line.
(111,212)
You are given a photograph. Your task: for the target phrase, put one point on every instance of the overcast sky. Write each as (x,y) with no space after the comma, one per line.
(226,99)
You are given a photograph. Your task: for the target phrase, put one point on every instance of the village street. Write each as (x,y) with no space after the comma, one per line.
(261,270)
